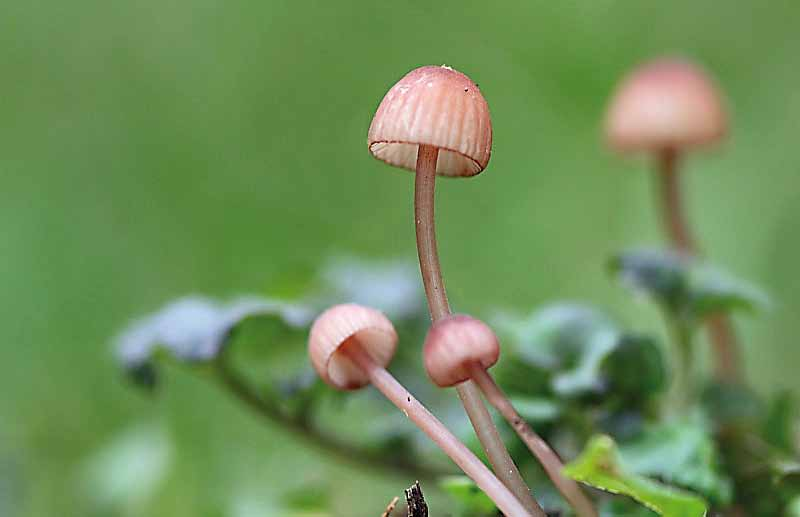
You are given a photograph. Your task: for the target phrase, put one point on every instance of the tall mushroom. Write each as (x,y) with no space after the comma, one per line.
(667,107)
(435,121)
(351,345)
(460,348)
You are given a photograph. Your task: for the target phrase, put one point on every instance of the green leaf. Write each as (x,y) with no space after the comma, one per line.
(781,422)
(661,275)
(714,291)
(681,452)
(732,404)
(471,500)
(686,288)
(308,499)
(569,340)
(537,409)
(635,369)
(600,466)
(195,330)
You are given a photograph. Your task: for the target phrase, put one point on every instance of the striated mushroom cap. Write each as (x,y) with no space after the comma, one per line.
(437,106)
(349,325)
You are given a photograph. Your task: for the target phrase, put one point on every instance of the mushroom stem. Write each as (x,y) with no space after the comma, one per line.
(672,205)
(721,333)
(439,307)
(436,431)
(547,457)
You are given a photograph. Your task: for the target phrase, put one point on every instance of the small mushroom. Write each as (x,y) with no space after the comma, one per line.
(460,348)
(665,108)
(351,345)
(435,121)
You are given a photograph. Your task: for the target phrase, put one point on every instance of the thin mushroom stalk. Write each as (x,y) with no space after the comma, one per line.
(676,227)
(350,346)
(448,363)
(436,121)
(666,107)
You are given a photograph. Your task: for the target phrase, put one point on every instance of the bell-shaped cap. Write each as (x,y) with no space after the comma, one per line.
(437,106)
(349,325)
(666,104)
(455,343)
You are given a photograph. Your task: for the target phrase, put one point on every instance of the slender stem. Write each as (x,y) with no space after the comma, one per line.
(682,391)
(325,442)
(547,457)
(720,328)
(424,200)
(436,431)
(424,197)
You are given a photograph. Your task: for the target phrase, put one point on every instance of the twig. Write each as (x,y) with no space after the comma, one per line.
(390,507)
(417,507)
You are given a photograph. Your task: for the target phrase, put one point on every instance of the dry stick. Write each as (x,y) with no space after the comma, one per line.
(720,329)
(436,431)
(547,457)
(424,193)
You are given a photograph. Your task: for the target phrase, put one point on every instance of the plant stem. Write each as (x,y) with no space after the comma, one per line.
(424,198)
(430,425)
(325,442)
(541,450)
(720,329)
(682,391)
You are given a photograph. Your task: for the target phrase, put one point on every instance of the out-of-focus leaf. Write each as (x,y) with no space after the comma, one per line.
(623,507)
(569,340)
(681,452)
(537,409)
(600,466)
(661,275)
(781,423)
(714,291)
(470,499)
(195,329)
(585,376)
(635,368)
(732,404)
(127,471)
(393,286)
(686,288)
(793,508)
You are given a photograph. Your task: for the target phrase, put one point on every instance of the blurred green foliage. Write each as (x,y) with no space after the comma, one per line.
(153,149)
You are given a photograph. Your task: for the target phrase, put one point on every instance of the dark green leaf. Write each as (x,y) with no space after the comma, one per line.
(635,369)
(732,404)
(781,423)
(599,465)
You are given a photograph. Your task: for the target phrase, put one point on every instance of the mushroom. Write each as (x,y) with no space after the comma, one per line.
(435,121)
(351,345)
(461,348)
(667,107)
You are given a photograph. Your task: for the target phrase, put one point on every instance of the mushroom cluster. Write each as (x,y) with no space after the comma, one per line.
(435,122)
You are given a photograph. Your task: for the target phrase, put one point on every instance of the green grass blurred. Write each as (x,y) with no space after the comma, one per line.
(152,149)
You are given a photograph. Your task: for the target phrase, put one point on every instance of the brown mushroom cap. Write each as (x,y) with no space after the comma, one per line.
(349,324)
(456,342)
(665,104)
(437,106)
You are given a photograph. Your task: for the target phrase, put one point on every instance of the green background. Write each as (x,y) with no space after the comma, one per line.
(151,149)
